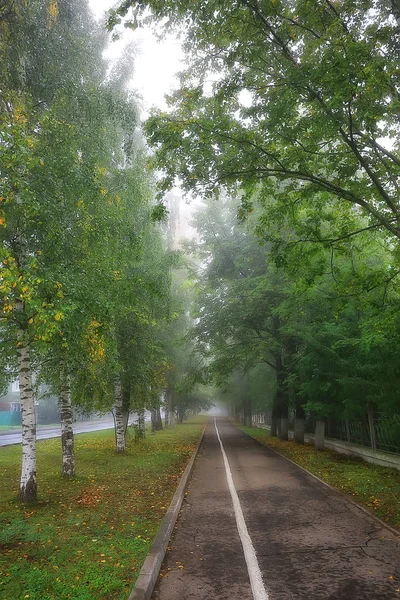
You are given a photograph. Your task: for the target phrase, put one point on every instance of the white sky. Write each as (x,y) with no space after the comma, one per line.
(156,62)
(155,66)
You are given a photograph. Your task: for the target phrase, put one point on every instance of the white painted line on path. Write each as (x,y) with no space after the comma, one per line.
(256,581)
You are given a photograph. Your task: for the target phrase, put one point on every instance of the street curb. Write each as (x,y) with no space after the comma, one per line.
(150,570)
(338,492)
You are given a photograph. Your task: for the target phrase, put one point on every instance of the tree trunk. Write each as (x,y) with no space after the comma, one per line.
(319,440)
(299,427)
(283,401)
(126,406)
(171,407)
(28,484)
(299,422)
(159,419)
(247,410)
(67,433)
(153,415)
(284,429)
(119,417)
(141,423)
(181,415)
(274,419)
(166,412)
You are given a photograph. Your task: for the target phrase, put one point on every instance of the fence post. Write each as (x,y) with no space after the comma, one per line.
(347,424)
(371,426)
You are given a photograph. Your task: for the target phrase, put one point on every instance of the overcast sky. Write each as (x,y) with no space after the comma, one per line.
(155,67)
(155,64)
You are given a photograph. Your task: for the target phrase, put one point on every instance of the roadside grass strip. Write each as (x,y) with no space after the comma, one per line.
(88,537)
(377,488)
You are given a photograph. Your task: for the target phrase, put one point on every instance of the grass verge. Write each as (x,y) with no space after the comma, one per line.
(87,538)
(377,488)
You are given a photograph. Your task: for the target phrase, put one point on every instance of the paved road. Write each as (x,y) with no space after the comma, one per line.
(310,543)
(14,437)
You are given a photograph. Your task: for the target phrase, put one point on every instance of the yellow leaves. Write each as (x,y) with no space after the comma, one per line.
(58,316)
(103,191)
(2,221)
(53,12)
(102,171)
(19,115)
(116,275)
(29,142)
(95,342)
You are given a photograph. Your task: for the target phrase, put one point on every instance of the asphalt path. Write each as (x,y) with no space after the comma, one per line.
(254,526)
(46,432)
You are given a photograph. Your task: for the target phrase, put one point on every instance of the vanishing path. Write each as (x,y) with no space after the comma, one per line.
(15,437)
(310,543)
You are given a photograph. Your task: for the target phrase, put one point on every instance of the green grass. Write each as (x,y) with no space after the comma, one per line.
(87,538)
(376,488)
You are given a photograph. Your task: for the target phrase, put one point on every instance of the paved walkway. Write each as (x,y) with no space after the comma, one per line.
(309,542)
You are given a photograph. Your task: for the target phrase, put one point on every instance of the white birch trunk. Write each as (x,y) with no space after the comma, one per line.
(28,485)
(119,417)
(67,432)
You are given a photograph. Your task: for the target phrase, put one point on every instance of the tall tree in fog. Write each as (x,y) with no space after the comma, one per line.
(75,200)
(42,176)
(320,110)
(317,320)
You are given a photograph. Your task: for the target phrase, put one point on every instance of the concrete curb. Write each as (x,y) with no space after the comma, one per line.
(338,492)
(150,570)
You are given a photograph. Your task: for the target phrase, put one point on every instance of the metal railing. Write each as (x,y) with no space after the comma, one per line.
(378,431)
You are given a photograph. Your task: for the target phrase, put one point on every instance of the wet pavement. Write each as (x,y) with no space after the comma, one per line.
(310,542)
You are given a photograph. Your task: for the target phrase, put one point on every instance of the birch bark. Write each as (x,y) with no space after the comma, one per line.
(119,417)
(67,432)
(28,484)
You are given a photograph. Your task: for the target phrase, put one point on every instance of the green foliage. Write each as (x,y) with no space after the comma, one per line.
(85,272)
(90,535)
(319,330)
(302,97)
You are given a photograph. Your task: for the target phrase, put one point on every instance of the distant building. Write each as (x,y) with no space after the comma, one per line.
(10,406)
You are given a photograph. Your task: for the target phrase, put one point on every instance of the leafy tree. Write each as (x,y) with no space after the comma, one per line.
(308,320)
(322,90)
(75,200)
